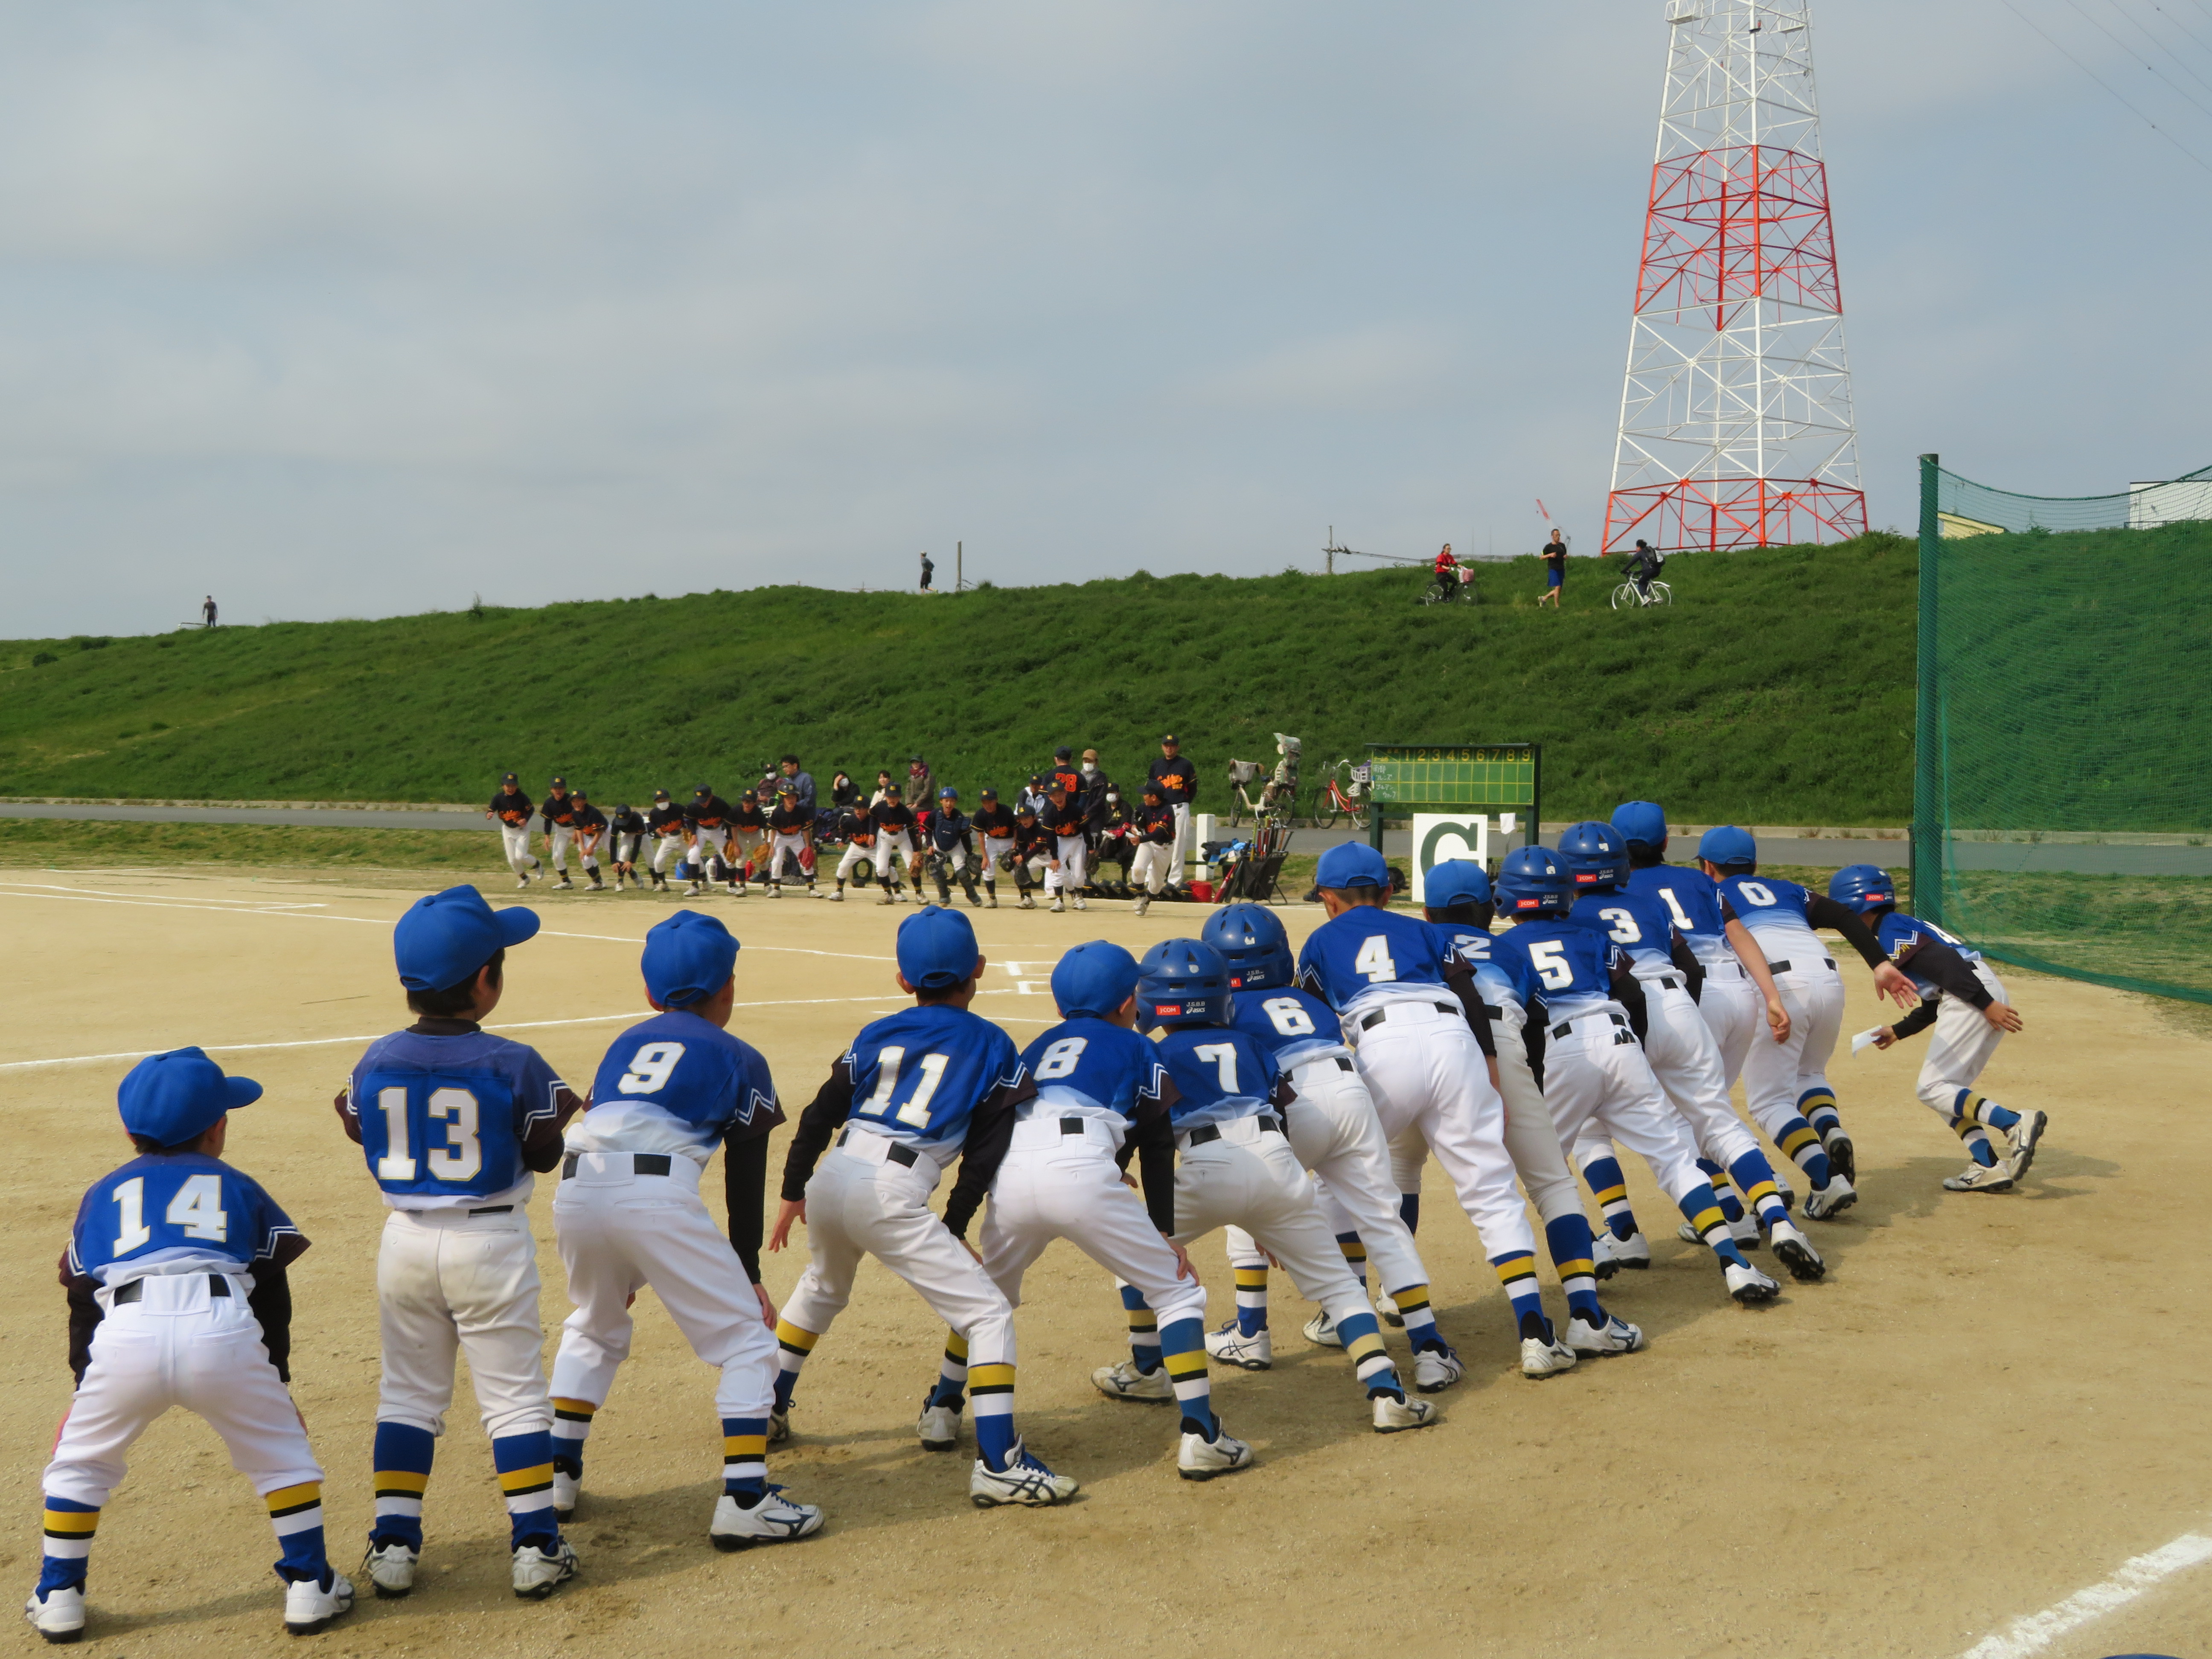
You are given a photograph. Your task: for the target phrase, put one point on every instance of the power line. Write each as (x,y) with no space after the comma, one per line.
(2159,44)
(2130,52)
(2101,81)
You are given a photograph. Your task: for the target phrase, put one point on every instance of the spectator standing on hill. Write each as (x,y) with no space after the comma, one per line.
(207,613)
(927,571)
(1178,782)
(1555,568)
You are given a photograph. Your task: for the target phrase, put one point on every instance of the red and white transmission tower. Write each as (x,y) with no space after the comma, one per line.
(1736,422)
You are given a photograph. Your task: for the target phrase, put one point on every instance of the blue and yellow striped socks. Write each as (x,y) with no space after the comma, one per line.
(1363,1345)
(1800,1143)
(992,1388)
(1703,1212)
(1517,1272)
(68,1544)
(401,1456)
(1723,1189)
(1610,1188)
(1144,1330)
(1755,1176)
(792,1345)
(572,1426)
(1251,1297)
(1182,1348)
(296,1515)
(744,1459)
(951,1389)
(1818,1107)
(525,1462)
(1573,1251)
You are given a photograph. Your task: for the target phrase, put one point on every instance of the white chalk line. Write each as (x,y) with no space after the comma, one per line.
(2032,1634)
(523,1025)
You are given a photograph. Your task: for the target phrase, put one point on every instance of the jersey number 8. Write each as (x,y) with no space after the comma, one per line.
(1059,1060)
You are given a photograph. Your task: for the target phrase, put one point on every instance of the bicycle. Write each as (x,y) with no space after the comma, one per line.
(1443,591)
(1273,806)
(1343,799)
(1628,595)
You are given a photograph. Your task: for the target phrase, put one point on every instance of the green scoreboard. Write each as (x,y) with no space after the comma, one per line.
(1470,777)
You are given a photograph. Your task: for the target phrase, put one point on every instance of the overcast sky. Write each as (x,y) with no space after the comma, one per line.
(353,309)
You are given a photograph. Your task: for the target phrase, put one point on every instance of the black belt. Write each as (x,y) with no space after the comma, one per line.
(1344,1064)
(495,1209)
(1671,983)
(1783,967)
(899,1152)
(651,1163)
(1382,1014)
(1567,1025)
(217,1285)
(1073,1126)
(1209,1132)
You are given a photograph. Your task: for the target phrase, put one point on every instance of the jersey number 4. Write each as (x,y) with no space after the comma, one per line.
(196,1208)
(915,1113)
(1374,961)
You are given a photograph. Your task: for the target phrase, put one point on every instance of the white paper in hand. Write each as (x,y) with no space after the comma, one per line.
(1863,1040)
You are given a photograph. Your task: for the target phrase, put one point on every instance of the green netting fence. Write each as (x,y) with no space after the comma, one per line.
(2062,786)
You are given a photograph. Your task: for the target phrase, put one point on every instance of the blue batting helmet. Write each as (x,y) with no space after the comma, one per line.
(1252,940)
(1595,854)
(1728,846)
(1641,824)
(1181,982)
(1533,883)
(1863,887)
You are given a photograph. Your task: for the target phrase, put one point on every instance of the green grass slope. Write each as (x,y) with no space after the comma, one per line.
(1777,689)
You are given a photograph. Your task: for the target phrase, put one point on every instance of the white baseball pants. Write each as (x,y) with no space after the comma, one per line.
(516,840)
(1960,1046)
(788,846)
(666,849)
(1596,1077)
(1733,1012)
(994,848)
(619,1231)
(1074,855)
(1251,1179)
(1679,1047)
(748,848)
(447,1281)
(707,846)
(861,1202)
(1531,1138)
(895,843)
(1335,1132)
(1428,1075)
(855,856)
(1057,1185)
(624,849)
(1184,849)
(1775,1075)
(178,1345)
(1154,866)
(563,839)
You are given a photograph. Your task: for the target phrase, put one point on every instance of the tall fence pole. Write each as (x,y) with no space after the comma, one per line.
(1928,828)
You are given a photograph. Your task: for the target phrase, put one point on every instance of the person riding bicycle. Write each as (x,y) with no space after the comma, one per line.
(1451,573)
(1283,789)
(1643,565)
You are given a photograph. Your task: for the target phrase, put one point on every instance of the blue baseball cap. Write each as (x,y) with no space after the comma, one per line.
(1455,881)
(444,938)
(1641,824)
(1093,978)
(688,957)
(178,1097)
(1352,864)
(936,948)
(1728,846)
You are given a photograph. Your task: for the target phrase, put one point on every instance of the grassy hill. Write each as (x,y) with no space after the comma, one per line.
(1777,689)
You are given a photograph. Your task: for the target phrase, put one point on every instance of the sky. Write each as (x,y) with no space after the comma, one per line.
(373,306)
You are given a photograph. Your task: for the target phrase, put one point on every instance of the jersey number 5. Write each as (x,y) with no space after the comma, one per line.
(1549,958)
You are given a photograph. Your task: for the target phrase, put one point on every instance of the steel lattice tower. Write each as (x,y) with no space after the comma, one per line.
(1736,420)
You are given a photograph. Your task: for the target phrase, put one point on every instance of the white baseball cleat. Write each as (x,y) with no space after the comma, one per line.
(1591,1341)
(1843,1156)
(779,1426)
(1786,1192)
(1057,907)
(1078,902)
(887,898)
(1975,1178)
(1320,1330)
(1140,907)
(1435,1369)
(1744,1232)
(1825,1203)
(837,897)
(990,901)
(1125,1382)
(939,1427)
(1795,1251)
(308,1605)
(536,1572)
(775,1519)
(775,890)
(58,1615)
(390,1569)
(1749,1286)
(1540,1358)
(566,1489)
(1027,903)
(1395,1414)
(2022,1138)
(1611,1255)
(1256,1352)
(1024,1480)
(1386,1310)
(1201,1458)
(521,880)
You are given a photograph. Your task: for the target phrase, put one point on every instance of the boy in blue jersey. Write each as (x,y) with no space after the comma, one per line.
(1592,1065)
(1681,1053)
(1965,1001)
(1786,1083)
(1456,898)
(178,1296)
(1333,1130)
(1103,1098)
(628,1215)
(915,1092)
(1238,1169)
(1397,985)
(455,1123)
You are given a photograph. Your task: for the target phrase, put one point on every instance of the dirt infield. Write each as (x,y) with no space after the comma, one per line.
(1992,1403)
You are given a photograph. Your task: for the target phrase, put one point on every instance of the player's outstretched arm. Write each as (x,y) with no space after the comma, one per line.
(1745,946)
(1889,979)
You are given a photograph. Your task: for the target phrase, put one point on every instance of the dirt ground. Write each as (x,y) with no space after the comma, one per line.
(1991,1403)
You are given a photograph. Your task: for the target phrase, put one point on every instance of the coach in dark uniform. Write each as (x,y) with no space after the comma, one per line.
(1178,782)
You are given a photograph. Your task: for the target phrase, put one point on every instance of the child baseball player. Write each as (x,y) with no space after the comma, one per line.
(1033,846)
(751,833)
(1071,852)
(178,1296)
(512,810)
(915,1091)
(1965,1001)
(628,1215)
(1592,1066)
(857,824)
(1679,1048)
(894,822)
(1154,864)
(1238,1169)
(706,830)
(951,834)
(456,1124)
(995,825)
(1103,1098)
(590,836)
(670,837)
(558,815)
(1786,1083)
(625,830)
(1427,1065)
(787,830)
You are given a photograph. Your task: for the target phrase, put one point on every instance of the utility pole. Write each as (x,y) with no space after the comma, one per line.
(959,582)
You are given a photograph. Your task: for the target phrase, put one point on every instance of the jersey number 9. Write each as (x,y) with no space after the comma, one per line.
(650,1068)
